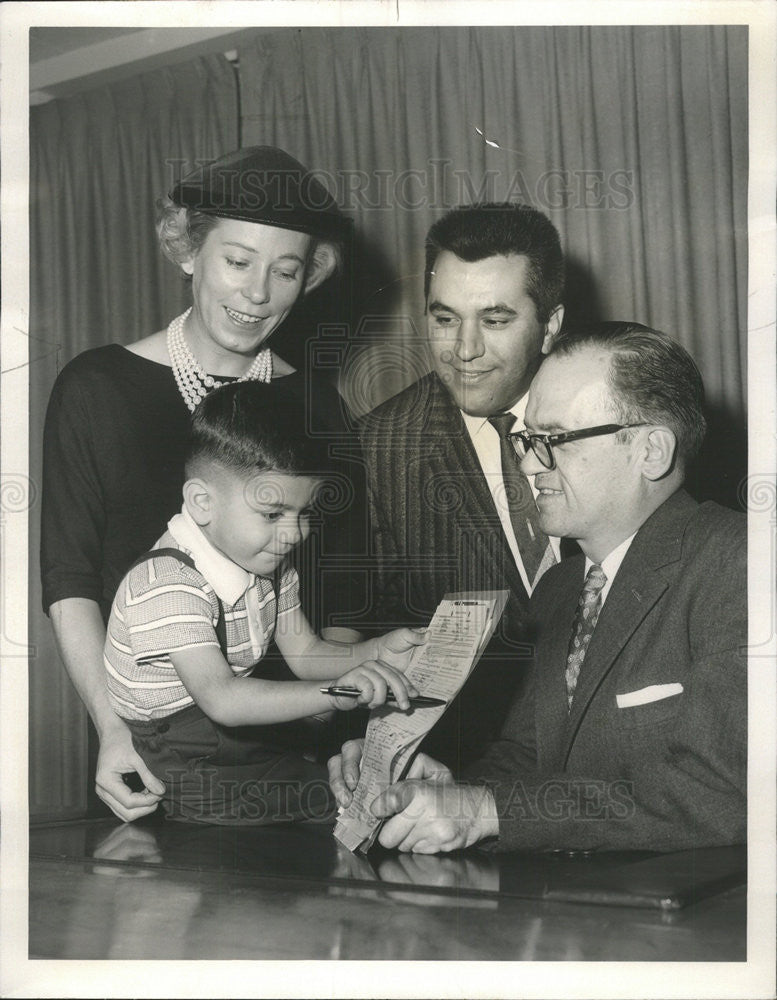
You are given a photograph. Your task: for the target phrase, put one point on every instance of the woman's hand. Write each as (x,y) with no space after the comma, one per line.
(116,758)
(80,634)
(374,680)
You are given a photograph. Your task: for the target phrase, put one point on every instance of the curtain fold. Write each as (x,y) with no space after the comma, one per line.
(632,139)
(98,162)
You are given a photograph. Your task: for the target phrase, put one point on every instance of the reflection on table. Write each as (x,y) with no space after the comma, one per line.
(103,889)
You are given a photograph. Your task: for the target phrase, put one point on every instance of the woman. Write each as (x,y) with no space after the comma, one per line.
(255,232)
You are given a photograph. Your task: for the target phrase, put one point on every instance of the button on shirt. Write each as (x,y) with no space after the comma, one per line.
(485,440)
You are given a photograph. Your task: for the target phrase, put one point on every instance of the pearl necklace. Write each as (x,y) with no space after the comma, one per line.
(193,383)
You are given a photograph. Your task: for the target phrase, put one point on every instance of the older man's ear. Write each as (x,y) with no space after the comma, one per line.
(660,453)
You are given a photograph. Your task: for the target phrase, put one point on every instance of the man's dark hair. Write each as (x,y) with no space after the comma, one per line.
(475,232)
(249,427)
(652,379)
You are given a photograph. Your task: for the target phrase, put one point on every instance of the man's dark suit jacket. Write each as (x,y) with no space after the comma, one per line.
(436,530)
(669,773)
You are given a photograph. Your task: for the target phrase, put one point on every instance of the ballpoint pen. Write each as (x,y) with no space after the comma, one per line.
(420,701)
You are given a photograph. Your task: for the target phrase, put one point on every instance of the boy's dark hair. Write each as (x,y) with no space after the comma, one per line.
(249,427)
(475,232)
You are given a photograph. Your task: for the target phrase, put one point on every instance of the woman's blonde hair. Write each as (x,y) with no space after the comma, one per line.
(182,232)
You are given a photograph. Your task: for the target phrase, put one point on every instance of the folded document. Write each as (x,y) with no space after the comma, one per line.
(458,633)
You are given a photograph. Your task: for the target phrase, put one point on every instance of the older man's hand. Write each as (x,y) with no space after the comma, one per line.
(345,767)
(344,770)
(435,815)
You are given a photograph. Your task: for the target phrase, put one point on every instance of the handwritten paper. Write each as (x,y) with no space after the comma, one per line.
(458,633)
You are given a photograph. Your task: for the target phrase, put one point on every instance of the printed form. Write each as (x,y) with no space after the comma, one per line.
(458,633)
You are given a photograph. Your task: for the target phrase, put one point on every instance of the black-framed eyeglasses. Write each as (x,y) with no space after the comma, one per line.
(542,444)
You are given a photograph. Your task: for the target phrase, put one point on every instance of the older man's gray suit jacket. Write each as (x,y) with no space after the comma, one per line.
(634,765)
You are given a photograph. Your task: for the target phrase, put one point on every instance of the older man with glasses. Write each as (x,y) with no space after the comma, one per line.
(632,733)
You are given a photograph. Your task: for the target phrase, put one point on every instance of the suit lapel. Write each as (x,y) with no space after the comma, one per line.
(476,520)
(644,575)
(622,614)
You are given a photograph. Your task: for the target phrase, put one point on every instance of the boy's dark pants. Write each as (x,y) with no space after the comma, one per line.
(245,776)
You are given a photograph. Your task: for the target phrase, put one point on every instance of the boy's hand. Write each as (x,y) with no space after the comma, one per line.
(395,648)
(374,681)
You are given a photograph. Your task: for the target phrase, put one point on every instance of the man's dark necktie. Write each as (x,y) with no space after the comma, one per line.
(533,544)
(589,605)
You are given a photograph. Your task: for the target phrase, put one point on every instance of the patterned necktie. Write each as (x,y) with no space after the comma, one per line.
(536,552)
(589,605)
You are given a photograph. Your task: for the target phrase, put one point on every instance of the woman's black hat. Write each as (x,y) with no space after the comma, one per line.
(263,184)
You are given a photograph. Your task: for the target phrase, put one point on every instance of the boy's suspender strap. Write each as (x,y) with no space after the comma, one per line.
(276,586)
(221,626)
(173,553)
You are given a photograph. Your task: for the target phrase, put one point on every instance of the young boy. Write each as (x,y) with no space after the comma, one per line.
(191,620)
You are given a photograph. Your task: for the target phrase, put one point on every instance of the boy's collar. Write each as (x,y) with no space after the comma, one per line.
(229,580)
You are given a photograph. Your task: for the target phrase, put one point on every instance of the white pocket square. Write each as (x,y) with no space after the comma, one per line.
(645,695)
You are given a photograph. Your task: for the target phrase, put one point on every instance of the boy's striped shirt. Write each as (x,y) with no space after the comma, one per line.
(163,606)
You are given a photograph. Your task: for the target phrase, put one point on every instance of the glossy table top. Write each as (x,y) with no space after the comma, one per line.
(103,889)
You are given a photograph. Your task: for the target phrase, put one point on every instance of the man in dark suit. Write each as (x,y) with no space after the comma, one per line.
(632,732)
(446,516)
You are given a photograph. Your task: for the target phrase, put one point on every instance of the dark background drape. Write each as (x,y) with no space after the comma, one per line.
(632,139)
